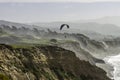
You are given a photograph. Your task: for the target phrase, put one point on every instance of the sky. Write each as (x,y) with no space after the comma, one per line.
(57,0)
(29,11)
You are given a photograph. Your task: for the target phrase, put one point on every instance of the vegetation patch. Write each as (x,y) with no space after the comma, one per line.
(3,77)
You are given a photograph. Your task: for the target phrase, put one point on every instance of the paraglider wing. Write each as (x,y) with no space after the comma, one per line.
(67,26)
(63,26)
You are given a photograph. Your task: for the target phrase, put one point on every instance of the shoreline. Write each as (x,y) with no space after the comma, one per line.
(113,62)
(107,68)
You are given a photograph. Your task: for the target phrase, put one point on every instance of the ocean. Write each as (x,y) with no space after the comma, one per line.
(115,62)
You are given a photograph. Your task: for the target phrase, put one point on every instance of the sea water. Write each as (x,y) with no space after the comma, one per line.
(115,62)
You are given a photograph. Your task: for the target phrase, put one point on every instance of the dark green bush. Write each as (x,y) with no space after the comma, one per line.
(53,40)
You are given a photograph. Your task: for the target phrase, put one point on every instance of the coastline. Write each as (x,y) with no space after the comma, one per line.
(113,61)
(107,68)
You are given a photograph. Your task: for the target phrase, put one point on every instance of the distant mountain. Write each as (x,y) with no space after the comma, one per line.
(75,27)
(18,25)
(90,29)
(104,20)
(10,26)
(104,29)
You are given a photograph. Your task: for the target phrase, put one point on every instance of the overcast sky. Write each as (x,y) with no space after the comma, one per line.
(57,10)
(57,0)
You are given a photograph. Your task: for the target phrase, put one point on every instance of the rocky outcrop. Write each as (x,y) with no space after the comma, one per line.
(45,63)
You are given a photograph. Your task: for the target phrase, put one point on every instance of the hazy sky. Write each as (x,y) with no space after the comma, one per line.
(57,0)
(55,10)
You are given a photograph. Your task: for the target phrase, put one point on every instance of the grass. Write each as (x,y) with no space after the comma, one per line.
(3,77)
(25,43)
(36,41)
(28,46)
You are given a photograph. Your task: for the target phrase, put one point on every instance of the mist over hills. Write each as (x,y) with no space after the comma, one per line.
(103,20)
(91,29)
(18,25)
(104,29)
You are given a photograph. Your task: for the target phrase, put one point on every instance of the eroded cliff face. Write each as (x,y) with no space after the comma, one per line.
(81,53)
(45,63)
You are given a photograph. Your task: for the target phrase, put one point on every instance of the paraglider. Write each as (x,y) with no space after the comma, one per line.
(64,25)
(61,27)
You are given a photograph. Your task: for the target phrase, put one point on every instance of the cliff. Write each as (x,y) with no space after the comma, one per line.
(80,52)
(45,63)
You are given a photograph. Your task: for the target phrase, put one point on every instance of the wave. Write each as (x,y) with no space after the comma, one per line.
(115,62)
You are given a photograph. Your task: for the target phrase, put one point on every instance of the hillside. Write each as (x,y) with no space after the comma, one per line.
(86,27)
(45,63)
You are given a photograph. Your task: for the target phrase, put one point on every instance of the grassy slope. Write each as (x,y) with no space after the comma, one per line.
(47,63)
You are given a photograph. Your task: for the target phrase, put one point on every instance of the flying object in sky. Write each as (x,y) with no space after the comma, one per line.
(64,25)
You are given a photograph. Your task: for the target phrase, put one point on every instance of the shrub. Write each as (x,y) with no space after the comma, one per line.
(53,40)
